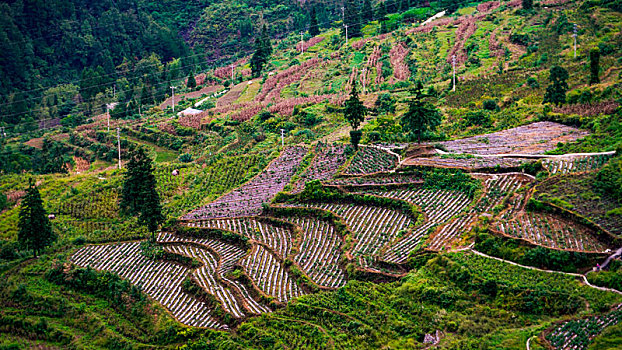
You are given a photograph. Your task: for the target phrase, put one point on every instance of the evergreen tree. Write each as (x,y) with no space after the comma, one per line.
(556,91)
(35,230)
(421,115)
(367,14)
(314,28)
(352,18)
(594,66)
(139,196)
(527,4)
(192,83)
(354,112)
(381,10)
(263,50)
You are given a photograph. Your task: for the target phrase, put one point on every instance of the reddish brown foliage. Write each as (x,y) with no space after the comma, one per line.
(398,56)
(589,110)
(305,45)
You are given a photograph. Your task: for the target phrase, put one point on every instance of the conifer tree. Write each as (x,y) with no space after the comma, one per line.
(263,50)
(352,18)
(139,196)
(314,28)
(367,14)
(192,83)
(527,4)
(421,115)
(594,66)
(35,230)
(556,91)
(354,112)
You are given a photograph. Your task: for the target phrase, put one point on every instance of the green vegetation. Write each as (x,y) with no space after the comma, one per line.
(139,197)
(556,91)
(536,256)
(35,231)
(422,117)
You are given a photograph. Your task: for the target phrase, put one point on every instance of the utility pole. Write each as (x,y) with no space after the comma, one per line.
(2,131)
(119,145)
(302,43)
(114,91)
(453,63)
(364,78)
(343,16)
(232,66)
(108,114)
(574,36)
(346,26)
(173,94)
(283,138)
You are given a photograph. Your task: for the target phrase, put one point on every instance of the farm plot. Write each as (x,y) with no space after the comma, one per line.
(95,205)
(469,164)
(575,164)
(270,275)
(438,207)
(389,179)
(229,255)
(578,334)
(326,162)
(205,275)
(248,199)
(279,239)
(550,231)
(535,138)
(369,160)
(320,252)
(497,188)
(160,280)
(372,227)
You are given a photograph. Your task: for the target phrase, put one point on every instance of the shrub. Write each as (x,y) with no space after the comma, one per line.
(185,158)
(491,105)
(479,118)
(533,83)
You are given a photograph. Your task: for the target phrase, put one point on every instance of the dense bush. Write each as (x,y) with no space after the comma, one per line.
(537,256)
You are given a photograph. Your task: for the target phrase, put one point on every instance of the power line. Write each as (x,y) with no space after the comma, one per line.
(202,54)
(100,85)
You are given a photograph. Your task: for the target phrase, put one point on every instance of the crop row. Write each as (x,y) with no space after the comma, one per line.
(368,160)
(270,275)
(497,188)
(388,179)
(575,164)
(320,252)
(279,239)
(473,163)
(534,138)
(248,199)
(95,205)
(578,334)
(437,206)
(205,275)
(372,226)
(160,280)
(551,232)
(324,165)
(229,255)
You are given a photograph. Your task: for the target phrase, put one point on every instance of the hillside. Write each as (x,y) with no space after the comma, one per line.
(280,233)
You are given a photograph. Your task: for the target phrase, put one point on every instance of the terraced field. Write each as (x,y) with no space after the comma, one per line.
(244,278)
(160,280)
(577,334)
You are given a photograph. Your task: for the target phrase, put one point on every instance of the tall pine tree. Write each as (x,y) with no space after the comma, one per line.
(352,18)
(139,196)
(35,230)
(367,14)
(594,66)
(314,28)
(354,112)
(421,116)
(556,91)
(263,50)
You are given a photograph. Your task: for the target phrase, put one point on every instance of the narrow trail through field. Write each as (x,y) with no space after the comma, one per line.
(582,277)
